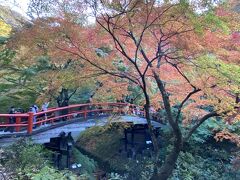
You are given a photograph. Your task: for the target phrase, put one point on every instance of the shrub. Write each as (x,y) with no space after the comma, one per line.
(88,166)
(49,173)
(24,158)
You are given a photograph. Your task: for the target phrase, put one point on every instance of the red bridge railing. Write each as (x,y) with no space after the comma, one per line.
(27,121)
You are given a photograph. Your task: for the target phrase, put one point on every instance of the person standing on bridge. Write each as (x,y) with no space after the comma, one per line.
(12,120)
(45,108)
(36,108)
(34,111)
(90,107)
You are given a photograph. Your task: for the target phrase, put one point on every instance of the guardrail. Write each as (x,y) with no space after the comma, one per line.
(27,121)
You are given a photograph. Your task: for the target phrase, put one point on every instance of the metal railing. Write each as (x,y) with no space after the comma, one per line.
(27,121)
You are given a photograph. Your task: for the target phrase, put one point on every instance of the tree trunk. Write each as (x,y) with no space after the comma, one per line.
(62,101)
(63,98)
(153,137)
(169,163)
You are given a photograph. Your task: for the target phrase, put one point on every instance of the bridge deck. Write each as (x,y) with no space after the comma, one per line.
(76,127)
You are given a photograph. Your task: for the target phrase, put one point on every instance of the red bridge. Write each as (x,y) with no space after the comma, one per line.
(25,122)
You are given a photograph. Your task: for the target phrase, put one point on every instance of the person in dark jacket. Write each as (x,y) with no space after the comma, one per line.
(12,120)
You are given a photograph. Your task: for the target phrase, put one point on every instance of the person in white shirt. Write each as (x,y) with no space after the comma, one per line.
(34,111)
(45,108)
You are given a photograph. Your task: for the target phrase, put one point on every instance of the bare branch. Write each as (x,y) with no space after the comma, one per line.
(181,73)
(97,66)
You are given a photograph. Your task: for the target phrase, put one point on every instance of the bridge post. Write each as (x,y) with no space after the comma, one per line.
(30,123)
(18,121)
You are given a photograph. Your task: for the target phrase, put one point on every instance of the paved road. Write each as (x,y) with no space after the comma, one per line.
(77,128)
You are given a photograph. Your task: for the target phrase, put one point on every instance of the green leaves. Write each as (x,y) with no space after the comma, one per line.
(6,56)
(49,173)
(215,22)
(225,73)
(24,157)
(88,165)
(43,63)
(3,40)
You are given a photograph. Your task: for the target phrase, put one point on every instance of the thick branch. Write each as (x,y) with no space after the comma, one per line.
(75,90)
(184,101)
(200,121)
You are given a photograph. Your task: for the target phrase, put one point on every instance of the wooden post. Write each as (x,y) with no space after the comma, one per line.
(18,121)
(30,123)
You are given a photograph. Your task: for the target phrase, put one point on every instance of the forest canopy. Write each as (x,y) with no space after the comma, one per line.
(181,57)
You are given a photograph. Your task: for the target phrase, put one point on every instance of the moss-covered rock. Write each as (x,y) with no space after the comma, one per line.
(102,142)
(105,145)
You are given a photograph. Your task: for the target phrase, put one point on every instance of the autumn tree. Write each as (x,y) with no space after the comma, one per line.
(53,74)
(171,42)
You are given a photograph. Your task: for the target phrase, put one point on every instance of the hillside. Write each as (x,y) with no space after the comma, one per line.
(12,18)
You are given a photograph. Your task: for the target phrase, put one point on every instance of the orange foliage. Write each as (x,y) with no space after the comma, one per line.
(168,27)
(228,136)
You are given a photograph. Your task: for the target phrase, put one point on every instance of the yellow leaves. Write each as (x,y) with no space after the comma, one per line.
(5,29)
